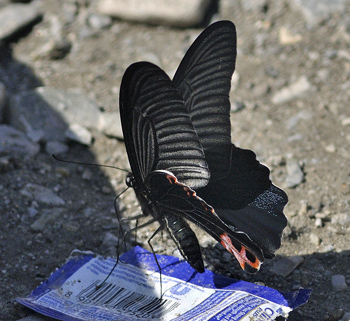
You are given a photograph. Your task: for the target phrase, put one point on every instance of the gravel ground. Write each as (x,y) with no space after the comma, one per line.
(289,96)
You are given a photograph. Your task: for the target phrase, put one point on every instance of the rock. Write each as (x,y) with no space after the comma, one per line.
(237,106)
(346,121)
(235,80)
(42,195)
(287,38)
(298,89)
(341,219)
(14,142)
(254,5)
(318,222)
(87,175)
(181,13)
(98,21)
(52,111)
(294,120)
(335,315)
(338,283)
(36,135)
(56,147)
(15,18)
(110,124)
(295,175)
(294,138)
(314,11)
(287,265)
(79,134)
(48,217)
(53,49)
(346,317)
(110,240)
(314,239)
(330,148)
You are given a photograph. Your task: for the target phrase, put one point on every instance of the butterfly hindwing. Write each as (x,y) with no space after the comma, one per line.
(171,194)
(239,184)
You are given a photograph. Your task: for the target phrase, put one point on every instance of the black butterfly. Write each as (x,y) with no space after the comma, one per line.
(184,167)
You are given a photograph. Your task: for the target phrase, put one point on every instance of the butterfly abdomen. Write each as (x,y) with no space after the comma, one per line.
(185,239)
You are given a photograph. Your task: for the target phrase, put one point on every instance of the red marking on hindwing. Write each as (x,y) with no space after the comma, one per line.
(241,255)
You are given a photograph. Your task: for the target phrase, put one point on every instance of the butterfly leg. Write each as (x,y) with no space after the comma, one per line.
(160,228)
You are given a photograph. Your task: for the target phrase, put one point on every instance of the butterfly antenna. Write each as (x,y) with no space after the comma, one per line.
(120,232)
(88,164)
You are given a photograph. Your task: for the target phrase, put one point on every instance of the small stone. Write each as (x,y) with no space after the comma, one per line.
(294,120)
(63,171)
(49,217)
(52,111)
(314,11)
(330,148)
(79,134)
(318,222)
(110,125)
(71,226)
(335,315)
(254,5)
(338,283)
(87,175)
(99,21)
(346,317)
(32,211)
(341,219)
(323,74)
(14,142)
(287,38)
(106,190)
(180,13)
(36,135)
(295,175)
(226,257)
(314,239)
(298,89)
(296,137)
(287,265)
(41,194)
(110,240)
(54,49)
(17,17)
(237,106)
(56,147)
(346,121)
(304,206)
(235,81)
(329,248)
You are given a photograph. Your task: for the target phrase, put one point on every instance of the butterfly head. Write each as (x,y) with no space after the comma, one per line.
(130,180)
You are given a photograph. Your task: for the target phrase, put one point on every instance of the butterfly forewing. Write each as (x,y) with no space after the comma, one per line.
(157,128)
(204,81)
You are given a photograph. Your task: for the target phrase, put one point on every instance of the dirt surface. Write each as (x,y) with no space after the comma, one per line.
(312,129)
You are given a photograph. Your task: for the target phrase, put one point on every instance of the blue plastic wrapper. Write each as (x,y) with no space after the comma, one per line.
(136,291)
